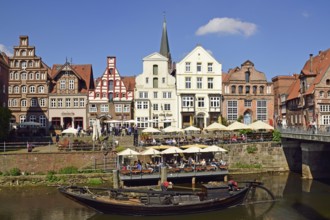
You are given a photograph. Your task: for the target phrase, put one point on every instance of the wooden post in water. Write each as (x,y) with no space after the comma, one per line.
(115,179)
(193,181)
(163,174)
(225,178)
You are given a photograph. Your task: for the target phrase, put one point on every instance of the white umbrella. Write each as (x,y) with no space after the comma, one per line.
(213,148)
(192,128)
(112,121)
(150,151)
(130,121)
(30,123)
(128,152)
(171,129)
(172,150)
(237,126)
(150,130)
(258,125)
(70,131)
(193,150)
(216,127)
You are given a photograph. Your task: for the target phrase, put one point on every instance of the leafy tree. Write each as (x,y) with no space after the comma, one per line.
(5,115)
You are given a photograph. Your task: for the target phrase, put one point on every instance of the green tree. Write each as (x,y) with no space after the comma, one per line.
(5,115)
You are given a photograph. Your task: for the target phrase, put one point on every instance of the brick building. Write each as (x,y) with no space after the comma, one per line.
(4,73)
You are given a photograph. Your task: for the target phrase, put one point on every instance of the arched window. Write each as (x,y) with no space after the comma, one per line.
(23,76)
(33,102)
(23,52)
(247,89)
(24,89)
(23,102)
(328,94)
(111,96)
(240,89)
(41,89)
(254,89)
(155,82)
(32,89)
(328,81)
(110,84)
(16,89)
(155,69)
(261,88)
(321,94)
(233,89)
(22,118)
(31,76)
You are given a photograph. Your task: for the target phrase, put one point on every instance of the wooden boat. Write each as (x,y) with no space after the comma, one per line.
(154,203)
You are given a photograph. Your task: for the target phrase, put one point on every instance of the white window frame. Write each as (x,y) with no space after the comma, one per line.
(104,108)
(199,83)
(201,102)
(232,110)
(188,64)
(119,108)
(188,82)
(210,83)
(215,101)
(262,110)
(71,84)
(187,101)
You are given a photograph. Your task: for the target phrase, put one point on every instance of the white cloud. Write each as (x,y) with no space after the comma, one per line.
(3,48)
(227,26)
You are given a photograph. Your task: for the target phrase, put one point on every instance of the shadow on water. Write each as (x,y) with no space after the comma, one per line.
(307,211)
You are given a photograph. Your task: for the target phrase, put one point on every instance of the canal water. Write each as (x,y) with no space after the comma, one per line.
(295,199)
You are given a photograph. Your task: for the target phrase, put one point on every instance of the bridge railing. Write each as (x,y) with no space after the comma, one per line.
(302,130)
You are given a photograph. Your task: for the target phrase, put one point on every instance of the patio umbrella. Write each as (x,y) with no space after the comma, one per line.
(70,131)
(214,149)
(128,152)
(191,129)
(172,150)
(216,127)
(195,145)
(30,123)
(171,129)
(237,126)
(150,130)
(193,149)
(150,151)
(161,147)
(259,125)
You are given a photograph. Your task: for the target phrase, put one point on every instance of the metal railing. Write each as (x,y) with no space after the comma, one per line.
(303,130)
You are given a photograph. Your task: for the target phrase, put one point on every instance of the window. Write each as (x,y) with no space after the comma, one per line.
(16,76)
(142,105)
(104,95)
(142,122)
(14,102)
(188,101)
(155,107)
(82,102)
(155,69)
(187,66)
(215,101)
(30,64)
(167,107)
(139,105)
(325,119)
(110,84)
(24,89)
(167,95)
(155,83)
(143,95)
(233,89)
(321,94)
(68,102)
(11,76)
(118,108)
(31,76)
(41,89)
(127,108)
(42,120)
(32,89)
(328,82)
(247,103)
(324,108)
(145,105)
(262,110)
(199,83)
(240,89)
(199,67)
(33,118)
(328,94)
(71,84)
(59,103)
(261,89)
(247,89)
(10,89)
(23,102)
(210,67)
(155,95)
(147,80)
(62,84)
(210,83)
(104,108)
(75,102)
(163,80)
(92,108)
(42,102)
(16,89)
(23,52)
(232,110)
(23,76)
(247,76)
(23,64)
(37,76)
(200,102)
(188,82)
(254,89)
(33,102)
(52,103)
(22,118)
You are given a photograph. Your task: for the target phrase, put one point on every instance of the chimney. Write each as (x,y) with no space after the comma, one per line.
(311,62)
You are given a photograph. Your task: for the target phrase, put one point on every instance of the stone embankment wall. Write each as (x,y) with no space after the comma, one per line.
(35,163)
(269,155)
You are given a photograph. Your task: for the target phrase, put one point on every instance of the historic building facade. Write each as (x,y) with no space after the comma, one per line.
(199,89)
(4,78)
(68,97)
(28,85)
(112,98)
(309,98)
(247,95)
(155,97)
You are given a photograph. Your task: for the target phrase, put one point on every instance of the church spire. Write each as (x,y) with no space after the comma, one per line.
(164,46)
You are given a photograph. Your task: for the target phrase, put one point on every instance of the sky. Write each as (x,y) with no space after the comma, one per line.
(277,36)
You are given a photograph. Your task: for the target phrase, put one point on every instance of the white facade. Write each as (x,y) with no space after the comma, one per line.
(155,96)
(199,88)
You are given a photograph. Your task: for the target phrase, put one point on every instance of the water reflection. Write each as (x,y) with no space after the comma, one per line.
(296,199)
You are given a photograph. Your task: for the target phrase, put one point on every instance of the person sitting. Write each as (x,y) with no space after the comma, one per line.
(234,138)
(164,186)
(232,185)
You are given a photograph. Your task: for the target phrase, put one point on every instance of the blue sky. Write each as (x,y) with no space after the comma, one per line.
(277,36)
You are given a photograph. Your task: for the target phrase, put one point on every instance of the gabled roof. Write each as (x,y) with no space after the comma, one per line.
(4,58)
(238,73)
(294,89)
(129,82)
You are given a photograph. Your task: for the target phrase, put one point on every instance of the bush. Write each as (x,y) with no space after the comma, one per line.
(277,136)
(95,181)
(15,172)
(68,170)
(242,165)
(251,149)
(50,177)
